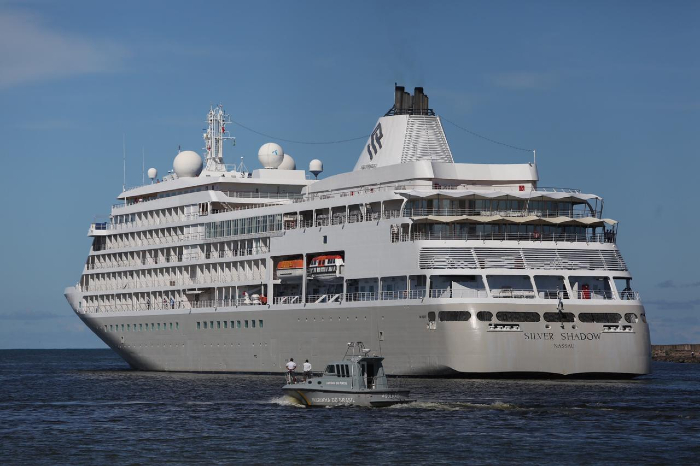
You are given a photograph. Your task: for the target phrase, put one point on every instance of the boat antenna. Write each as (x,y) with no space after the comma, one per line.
(214,138)
(124,160)
(143,165)
(534,156)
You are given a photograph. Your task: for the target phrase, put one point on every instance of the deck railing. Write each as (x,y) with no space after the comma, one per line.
(536,237)
(573,213)
(167,304)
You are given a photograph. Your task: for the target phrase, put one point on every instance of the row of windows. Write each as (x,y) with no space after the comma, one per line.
(341,370)
(225,324)
(150,327)
(244,226)
(511,316)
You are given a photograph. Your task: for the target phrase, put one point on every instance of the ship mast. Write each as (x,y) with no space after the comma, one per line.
(214,138)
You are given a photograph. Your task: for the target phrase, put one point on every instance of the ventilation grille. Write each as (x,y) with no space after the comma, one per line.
(447,258)
(511,258)
(425,140)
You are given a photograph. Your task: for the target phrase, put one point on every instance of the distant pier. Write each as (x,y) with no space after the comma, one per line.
(687,353)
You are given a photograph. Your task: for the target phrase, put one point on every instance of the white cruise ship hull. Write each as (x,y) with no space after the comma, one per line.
(400,331)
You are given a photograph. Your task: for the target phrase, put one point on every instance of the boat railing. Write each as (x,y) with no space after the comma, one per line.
(173,258)
(595,294)
(452,293)
(507,292)
(503,213)
(286,300)
(534,237)
(552,294)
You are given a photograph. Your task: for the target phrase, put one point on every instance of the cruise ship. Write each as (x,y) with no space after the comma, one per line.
(446,268)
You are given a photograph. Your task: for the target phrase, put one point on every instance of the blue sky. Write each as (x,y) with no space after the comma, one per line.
(607,92)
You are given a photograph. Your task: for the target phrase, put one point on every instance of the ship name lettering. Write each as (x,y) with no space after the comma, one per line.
(539,336)
(580,336)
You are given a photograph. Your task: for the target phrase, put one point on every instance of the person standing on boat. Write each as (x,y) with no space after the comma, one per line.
(291,367)
(307,370)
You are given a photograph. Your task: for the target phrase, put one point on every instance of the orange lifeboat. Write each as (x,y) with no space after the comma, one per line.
(290,269)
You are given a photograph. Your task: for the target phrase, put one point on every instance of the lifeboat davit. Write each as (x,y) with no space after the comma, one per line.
(291,269)
(326,268)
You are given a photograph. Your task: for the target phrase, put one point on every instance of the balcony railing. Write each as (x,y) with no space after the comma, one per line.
(167,304)
(503,213)
(536,237)
(170,259)
(456,294)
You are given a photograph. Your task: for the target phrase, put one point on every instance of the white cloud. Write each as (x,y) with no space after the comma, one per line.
(30,51)
(523,80)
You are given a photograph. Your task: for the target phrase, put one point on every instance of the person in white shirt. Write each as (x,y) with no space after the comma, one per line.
(291,367)
(307,370)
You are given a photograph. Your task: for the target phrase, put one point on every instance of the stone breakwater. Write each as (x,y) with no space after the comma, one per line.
(676,353)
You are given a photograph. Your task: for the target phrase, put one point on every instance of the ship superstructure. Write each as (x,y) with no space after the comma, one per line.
(449,268)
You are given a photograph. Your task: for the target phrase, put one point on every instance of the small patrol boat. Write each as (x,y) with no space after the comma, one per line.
(358,379)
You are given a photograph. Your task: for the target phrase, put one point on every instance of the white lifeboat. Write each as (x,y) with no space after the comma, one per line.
(326,268)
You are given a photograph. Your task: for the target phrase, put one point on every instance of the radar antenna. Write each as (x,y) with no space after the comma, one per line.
(214,138)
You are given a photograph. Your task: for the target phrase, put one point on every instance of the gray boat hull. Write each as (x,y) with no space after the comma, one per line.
(310,397)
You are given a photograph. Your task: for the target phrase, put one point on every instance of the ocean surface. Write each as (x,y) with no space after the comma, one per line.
(88,407)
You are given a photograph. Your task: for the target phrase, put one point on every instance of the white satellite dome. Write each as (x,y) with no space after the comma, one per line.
(316,167)
(288,163)
(271,155)
(152,173)
(187,164)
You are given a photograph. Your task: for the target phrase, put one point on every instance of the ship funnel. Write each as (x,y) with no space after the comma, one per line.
(409,132)
(407,104)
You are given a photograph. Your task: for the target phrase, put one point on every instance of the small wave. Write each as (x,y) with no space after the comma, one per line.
(285,400)
(457,406)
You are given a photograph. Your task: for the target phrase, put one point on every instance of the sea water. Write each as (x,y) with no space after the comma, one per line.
(87,406)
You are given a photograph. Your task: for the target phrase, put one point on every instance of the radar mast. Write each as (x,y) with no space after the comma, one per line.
(217,119)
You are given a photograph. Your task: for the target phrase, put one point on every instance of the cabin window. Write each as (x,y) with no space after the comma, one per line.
(140,327)
(454,316)
(110,327)
(631,318)
(246,324)
(252,323)
(128,326)
(211,324)
(171,325)
(153,326)
(226,324)
(484,316)
(261,323)
(325,239)
(199,325)
(330,369)
(558,317)
(218,324)
(233,324)
(600,317)
(158,325)
(512,316)
(238,324)
(205,324)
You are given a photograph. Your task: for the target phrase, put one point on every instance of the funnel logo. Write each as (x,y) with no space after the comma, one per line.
(375,140)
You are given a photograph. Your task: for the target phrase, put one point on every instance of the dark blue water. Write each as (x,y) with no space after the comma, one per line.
(85,406)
